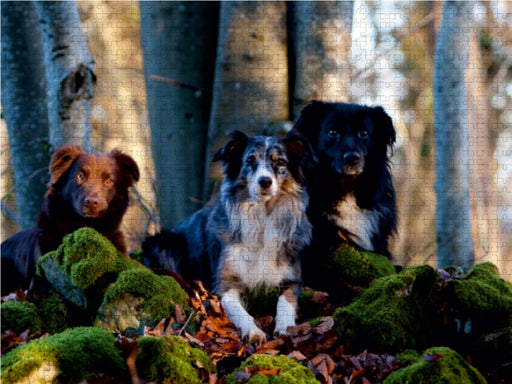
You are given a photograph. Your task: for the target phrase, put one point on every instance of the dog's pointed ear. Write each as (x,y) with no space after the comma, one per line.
(310,116)
(128,166)
(300,155)
(62,160)
(384,125)
(231,154)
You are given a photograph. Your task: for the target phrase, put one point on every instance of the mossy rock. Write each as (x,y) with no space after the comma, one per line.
(395,313)
(290,371)
(170,360)
(445,366)
(85,255)
(346,271)
(20,316)
(71,356)
(480,303)
(137,298)
(359,268)
(83,266)
(53,313)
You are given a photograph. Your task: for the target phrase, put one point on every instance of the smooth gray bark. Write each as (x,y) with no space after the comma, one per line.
(24,106)
(178,41)
(322,51)
(453,223)
(250,90)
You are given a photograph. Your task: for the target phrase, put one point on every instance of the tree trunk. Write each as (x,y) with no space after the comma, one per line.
(178,40)
(69,73)
(24,106)
(251,75)
(322,51)
(484,199)
(453,223)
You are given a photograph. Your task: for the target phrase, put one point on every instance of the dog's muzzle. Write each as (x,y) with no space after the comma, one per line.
(352,163)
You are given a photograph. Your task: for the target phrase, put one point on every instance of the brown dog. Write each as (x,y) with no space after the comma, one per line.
(85,190)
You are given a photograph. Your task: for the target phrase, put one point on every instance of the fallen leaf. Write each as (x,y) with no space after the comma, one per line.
(431,357)
(296,355)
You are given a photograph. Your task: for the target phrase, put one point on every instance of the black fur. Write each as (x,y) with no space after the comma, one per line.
(351,143)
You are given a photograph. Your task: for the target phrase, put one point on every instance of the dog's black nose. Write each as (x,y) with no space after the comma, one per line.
(91,201)
(352,158)
(265,182)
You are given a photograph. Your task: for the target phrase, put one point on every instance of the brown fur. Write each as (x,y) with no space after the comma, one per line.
(85,190)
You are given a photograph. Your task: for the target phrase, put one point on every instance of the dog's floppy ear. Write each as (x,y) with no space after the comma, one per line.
(310,119)
(62,160)
(300,155)
(384,126)
(231,154)
(127,165)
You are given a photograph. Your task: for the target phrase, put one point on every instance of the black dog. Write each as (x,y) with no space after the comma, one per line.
(251,234)
(352,198)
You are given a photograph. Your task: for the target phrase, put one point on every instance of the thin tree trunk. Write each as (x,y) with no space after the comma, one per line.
(69,73)
(178,41)
(484,199)
(24,106)
(322,51)
(453,224)
(251,75)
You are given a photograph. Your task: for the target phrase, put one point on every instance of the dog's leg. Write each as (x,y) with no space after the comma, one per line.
(239,316)
(117,238)
(286,311)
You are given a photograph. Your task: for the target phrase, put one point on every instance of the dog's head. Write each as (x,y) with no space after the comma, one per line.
(346,137)
(263,166)
(91,182)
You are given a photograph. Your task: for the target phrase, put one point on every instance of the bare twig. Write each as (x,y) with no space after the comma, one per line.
(152,216)
(166,80)
(186,322)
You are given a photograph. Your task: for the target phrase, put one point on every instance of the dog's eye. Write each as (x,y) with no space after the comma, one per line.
(363,134)
(281,162)
(80,177)
(109,181)
(250,160)
(332,133)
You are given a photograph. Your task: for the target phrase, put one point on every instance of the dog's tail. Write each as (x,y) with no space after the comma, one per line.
(165,250)
(166,254)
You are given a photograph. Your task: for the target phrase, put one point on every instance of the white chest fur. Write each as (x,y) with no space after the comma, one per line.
(254,258)
(361,224)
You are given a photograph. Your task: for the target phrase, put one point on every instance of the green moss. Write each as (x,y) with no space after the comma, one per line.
(480,303)
(85,255)
(138,255)
(396,312)
(53,314)
(359,268)
(449,368)
(408,357)
(169,360)
(261,300)
(159,293)
(291,371)
(20,316)
(71,356)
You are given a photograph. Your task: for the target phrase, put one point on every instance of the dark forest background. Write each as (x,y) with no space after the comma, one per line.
(167,81)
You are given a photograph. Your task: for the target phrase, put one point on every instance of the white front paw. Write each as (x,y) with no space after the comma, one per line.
(254,335)
(282,326)
(285,316)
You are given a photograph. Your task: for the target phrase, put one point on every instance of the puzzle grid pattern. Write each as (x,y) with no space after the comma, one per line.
(119,114)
